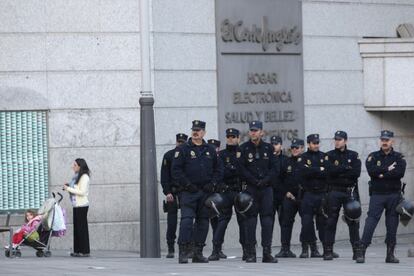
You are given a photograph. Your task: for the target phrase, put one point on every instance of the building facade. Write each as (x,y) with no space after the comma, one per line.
(79,62)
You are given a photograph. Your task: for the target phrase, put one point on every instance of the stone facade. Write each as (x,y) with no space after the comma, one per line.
(81,61)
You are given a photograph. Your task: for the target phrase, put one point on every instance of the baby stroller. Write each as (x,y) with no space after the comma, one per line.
(53,224)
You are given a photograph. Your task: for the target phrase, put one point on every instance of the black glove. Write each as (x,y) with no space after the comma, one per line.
(209,188)
(189,187)
(220,187)
(261,183)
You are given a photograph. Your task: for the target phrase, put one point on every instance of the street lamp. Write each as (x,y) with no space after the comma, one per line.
(149,216)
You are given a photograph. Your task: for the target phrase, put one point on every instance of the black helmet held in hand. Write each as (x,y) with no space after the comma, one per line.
(215,202)
(352,211)
(243,202)
(406,210)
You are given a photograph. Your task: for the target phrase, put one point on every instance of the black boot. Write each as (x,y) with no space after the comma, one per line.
(328,252)
(305,250)
(251,253)
(314,250)
(221,254)
(190,251)
(183,253)
(198,254)
(354,251)
(244,256)
(267,255)
(285,252)
(390,254)
(360,253)
(170,250)
(215,254)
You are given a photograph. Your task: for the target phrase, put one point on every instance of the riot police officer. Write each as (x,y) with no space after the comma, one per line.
(291,187)
(214,220)
(229,189)
(169,188)
(343,173)
(258,167)
(196,168)
(313,169)
(385,167)
(278,195)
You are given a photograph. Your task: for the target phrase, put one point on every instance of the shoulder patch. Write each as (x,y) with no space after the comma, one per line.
(309,162)
(369,158)
(177,153)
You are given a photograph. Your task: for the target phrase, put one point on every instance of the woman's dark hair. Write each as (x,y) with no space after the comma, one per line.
(84,169)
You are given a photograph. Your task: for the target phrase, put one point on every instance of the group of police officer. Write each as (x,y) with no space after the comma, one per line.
(257,179)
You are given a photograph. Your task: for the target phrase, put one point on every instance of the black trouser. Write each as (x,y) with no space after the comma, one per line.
(377,204)
(194,217)
(310,209)
(336,200)
(172,218)
(80,230)
(287,218)
(262,206)
(278,205)
(223,220)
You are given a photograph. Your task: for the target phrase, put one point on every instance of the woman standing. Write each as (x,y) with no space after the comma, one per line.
(78,190)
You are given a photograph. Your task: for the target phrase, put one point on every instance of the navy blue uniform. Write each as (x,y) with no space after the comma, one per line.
(315,188)
(232,186)
(197,170)
(344,170)
(278,193)
(258,168)
(385,193)
(292,183)
(168,187)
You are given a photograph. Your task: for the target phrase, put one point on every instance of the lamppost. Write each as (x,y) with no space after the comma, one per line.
(149,216)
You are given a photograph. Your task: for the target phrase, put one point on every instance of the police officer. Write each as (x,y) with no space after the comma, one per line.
(197,170)
(313,169)
(258,167)
(278,194)
(386,167)
(214,220)
(232,185)
(215,143)
(291,187)
(169,188)
(344,170)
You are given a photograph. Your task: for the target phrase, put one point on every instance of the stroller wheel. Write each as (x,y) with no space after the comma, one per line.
(18,254)
(47,254)
(39,253)
(7,253)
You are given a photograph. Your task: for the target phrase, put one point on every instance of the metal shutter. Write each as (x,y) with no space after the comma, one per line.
(24,176)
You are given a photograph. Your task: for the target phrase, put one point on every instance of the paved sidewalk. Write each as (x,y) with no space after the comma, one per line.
(127,263)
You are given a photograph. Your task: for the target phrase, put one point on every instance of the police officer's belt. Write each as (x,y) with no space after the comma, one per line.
(340,188)
(316,190)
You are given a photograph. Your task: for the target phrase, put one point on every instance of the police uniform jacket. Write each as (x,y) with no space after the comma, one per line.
(382,180)
(344,168)
(230,159)
(196,165)
(258,163)
(314,179)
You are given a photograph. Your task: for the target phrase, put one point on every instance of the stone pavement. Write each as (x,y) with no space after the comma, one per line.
(127,263)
